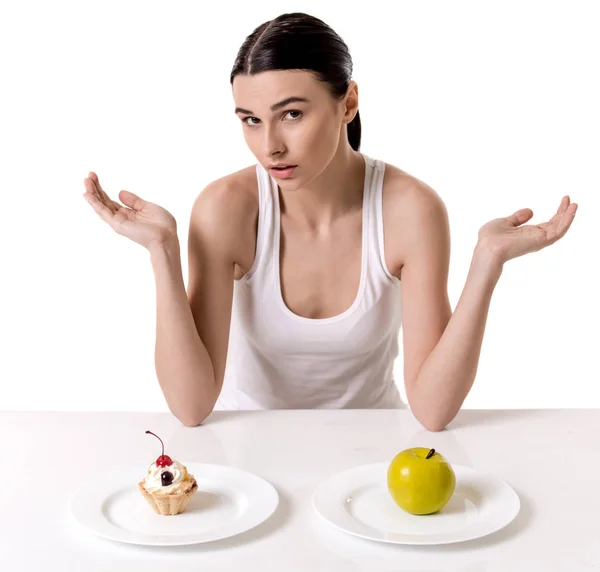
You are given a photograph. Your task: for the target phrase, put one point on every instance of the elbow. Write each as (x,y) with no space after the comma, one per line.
(434,427)
(434,423)
(193,412)
(427,418)
(191,421)
(429,423)
(192,418)
(433,417)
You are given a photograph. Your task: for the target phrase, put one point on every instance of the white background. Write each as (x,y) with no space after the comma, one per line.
(495,105)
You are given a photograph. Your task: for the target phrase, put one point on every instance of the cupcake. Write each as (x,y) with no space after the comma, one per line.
(168,487)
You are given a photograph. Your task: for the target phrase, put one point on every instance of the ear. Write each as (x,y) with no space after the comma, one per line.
(351,102)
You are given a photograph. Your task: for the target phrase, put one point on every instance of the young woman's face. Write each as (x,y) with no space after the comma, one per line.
(289,117)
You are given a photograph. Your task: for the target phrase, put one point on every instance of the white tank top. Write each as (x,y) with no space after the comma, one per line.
(280,360)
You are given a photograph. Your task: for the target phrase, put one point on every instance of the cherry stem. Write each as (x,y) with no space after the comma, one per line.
(163,445)
(430,454)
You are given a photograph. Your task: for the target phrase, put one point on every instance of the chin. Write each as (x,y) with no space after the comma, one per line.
(288,185)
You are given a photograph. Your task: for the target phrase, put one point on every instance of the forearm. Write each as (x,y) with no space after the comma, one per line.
(183,365)
(447,375)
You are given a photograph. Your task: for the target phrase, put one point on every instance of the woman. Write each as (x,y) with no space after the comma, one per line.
(303,266)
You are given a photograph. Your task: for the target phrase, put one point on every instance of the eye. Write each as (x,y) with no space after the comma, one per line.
(251,123)
(295,111)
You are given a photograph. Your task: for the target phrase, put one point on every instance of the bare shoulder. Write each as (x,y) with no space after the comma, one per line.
(406,196)
(412,212)
(226,212)
(228,197)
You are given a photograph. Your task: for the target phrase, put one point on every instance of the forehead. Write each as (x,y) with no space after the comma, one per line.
(266,88)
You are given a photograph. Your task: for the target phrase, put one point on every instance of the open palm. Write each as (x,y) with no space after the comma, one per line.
(508,239)
(141,221)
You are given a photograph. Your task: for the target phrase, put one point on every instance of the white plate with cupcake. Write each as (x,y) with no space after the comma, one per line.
(171,504)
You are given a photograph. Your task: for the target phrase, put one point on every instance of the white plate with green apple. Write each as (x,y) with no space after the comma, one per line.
(418,498)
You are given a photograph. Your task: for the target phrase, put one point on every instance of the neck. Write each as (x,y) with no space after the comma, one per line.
(335,192)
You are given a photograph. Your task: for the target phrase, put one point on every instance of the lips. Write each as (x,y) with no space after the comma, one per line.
(282,173)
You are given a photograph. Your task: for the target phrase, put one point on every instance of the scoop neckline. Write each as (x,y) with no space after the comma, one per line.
(363,265)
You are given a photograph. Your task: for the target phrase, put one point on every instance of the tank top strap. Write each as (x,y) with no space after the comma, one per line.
(264,231)
(375,206)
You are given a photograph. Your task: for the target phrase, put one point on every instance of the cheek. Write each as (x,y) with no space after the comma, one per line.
(322,134)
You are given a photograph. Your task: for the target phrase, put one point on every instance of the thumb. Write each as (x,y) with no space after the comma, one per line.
(132,201)
(520,216)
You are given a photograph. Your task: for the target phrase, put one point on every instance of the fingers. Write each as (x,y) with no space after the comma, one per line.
(564,204)
(567,219)
(566,211)
(560,223)
(96,184)
(132,201)
(97,190)
(114,207)
(101,209)
(92,186)
(101,194)
(519,217)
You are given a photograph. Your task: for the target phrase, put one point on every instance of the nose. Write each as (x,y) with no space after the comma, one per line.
(273,143)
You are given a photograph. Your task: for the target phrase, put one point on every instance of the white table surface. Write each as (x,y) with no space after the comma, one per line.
(550,458)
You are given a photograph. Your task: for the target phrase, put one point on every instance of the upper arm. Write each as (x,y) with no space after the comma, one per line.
(215,235)
(424,277)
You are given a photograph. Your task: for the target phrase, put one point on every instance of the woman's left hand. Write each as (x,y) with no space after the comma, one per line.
(505,238)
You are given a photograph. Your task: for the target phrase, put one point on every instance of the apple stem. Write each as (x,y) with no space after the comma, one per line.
(430,454)
(163,445)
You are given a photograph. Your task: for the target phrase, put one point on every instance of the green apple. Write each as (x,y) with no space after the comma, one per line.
(420,480)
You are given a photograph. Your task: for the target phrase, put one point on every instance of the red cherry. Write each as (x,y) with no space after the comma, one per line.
(163,460)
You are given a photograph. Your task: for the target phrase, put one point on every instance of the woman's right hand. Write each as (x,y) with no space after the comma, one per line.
(143,222)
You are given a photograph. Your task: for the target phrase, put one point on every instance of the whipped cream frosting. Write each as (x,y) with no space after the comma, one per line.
(153,483)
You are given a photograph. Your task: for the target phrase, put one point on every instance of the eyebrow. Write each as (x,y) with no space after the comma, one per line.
(276,106)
